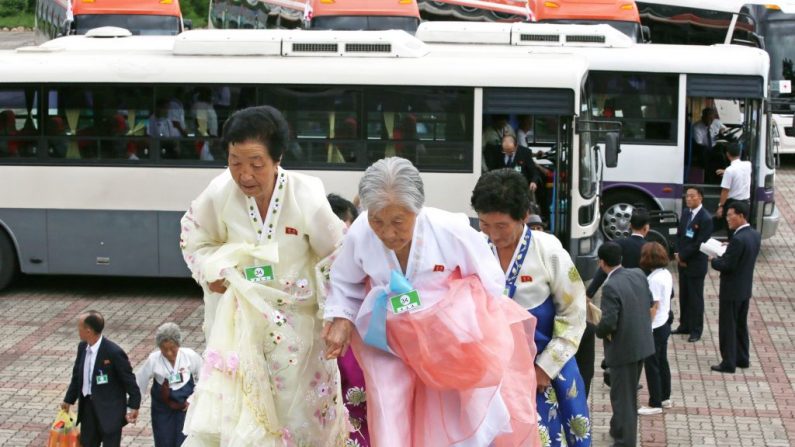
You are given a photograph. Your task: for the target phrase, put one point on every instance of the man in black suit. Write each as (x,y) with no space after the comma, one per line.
(626,328)
(520,159)
(695,228)
(102,380)
(736,268)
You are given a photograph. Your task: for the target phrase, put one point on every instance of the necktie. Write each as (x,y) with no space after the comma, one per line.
(87,373)
(709,138)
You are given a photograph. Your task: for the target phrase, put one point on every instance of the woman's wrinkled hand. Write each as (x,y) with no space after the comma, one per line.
(218,286)
(337,336)
(542,380)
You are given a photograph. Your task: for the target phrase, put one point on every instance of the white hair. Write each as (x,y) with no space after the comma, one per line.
(168,332)
(391,180)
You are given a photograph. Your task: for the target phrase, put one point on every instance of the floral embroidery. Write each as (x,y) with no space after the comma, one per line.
(579,428)
(355,396)
(278,318)
(276,337)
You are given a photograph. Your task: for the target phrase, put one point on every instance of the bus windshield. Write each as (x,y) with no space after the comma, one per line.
(631,29)
(140,24)
(370,23)
(780,45)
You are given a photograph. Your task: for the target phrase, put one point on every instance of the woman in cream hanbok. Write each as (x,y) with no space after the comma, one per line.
(541,277)
(258,241)
(447,359)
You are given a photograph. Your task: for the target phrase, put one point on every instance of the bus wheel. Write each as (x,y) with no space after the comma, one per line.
(617,211)
(8,261)
(656,236)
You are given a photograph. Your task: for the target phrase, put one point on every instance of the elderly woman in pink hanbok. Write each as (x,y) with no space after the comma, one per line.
(447,359)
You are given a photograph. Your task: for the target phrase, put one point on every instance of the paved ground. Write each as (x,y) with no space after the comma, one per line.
(755,407)
(14,39)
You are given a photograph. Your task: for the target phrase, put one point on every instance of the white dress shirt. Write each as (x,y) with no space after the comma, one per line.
(188,364)
(737,179)
(88,365)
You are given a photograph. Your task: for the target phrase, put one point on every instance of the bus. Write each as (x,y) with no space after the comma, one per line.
(769,24)
(56,18)
(95,187)
(349,15)
(620,14)
(657,93)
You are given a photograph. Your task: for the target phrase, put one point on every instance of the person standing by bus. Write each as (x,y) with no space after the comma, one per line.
(255,240)
(695,228)
(736,184)
(541,277)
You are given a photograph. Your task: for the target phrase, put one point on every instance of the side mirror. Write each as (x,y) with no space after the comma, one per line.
(645,34)
(612,148)
(187,24)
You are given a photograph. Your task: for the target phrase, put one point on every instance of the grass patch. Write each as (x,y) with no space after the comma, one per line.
(23,19)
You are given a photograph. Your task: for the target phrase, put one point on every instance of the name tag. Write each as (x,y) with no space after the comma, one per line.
(518,169)
(405,302)
(689,233)
(175,378)
(259,273)
(102,379)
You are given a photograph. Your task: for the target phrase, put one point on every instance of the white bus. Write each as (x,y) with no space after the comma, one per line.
(91,187)
(657,92)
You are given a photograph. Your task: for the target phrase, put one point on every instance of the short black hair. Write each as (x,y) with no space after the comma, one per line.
(696,188)
(94,320)
(263,124)
(734,149)
(739,208)
(341,206)
(639,219)
(501,191)
(707,110)
(610,253)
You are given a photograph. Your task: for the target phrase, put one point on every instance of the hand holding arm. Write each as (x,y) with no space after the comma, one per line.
(337,336)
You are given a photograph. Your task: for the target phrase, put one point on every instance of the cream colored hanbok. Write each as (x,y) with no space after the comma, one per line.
(265,381)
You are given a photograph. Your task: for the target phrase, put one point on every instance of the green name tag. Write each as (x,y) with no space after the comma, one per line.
(102,379)
(175,378)
(405,302)
(259,273)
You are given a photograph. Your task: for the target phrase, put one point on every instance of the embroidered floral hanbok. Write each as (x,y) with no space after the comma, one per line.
(265,381)
(543,279)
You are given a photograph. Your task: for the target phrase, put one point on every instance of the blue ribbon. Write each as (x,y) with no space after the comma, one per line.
(510,281)
(376,332)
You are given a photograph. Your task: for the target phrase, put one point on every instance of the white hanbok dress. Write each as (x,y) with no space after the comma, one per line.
(265,381)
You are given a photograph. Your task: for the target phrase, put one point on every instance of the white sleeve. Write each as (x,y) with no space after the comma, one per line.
(348,276)
(474,257)
(324,228)
(202,231)
(568,293)
(726,182)
(144,375)
(194,363)
(656,287)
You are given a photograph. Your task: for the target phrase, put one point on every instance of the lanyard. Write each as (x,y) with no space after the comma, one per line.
(510,281)
(171,371)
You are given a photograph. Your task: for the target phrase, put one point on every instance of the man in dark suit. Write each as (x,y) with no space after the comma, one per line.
(695,228)
(102,380)
(520,159)
(626,328)
(736,268)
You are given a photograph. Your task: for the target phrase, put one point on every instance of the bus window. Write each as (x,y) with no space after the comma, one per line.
(97,123)
(431,127)
(140,24)
(19,118)
(646,104)
(325,122)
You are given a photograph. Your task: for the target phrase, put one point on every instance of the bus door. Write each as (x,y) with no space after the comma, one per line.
(722,111)
(542,120)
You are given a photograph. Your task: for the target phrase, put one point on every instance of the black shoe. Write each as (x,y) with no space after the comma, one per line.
(681,330)
(640,386)
(694,338)
(607,379)
(743,365)
(722,369)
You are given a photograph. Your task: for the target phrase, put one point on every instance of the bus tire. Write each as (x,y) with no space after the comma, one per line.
(8,261)
(617,210)
(656,236)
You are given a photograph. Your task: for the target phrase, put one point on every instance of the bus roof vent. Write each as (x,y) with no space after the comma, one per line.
(108,32)
(546,34)
(465,32)
(352,44)
(229,43)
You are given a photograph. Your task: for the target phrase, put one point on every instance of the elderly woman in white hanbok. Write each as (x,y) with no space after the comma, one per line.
(416,292)
(256,240)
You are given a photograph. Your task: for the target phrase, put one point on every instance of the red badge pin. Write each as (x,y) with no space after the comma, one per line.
(527,278)
(291,230)
(438,268)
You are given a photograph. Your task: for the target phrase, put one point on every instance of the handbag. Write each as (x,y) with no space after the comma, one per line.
(63,431)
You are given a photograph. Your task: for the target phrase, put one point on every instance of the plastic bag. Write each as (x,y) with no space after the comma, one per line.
(63,432)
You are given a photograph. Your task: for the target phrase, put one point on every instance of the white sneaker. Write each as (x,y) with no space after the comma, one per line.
(648,411)
(667,403)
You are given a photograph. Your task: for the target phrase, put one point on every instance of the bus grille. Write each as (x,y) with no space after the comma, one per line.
(539,37)
(368,48)
(315,47)
(594,38)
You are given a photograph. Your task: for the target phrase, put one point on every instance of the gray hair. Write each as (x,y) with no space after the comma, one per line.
(391,180)
(168,332)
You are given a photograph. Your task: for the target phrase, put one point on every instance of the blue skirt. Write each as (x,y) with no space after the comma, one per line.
(167,423)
